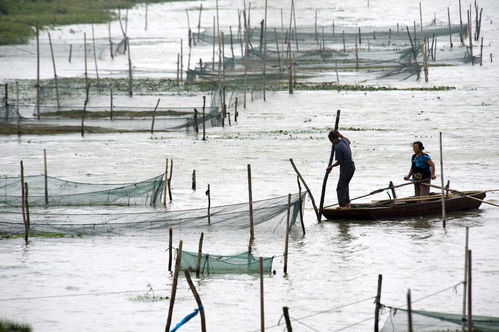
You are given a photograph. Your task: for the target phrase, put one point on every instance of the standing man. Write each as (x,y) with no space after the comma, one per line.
(343,156)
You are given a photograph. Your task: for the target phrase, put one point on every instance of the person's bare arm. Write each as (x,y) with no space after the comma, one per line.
(409,175)
(432,166)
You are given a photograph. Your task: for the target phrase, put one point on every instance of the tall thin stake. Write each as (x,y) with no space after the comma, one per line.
(409,311)
(377,303)
(165,183)
(308,190)
(465,282)
(450,31)
(26,205)
(154,115)
(23,208)
(170,248)
(470,316)
(285,312)
(250,200)
(55,73)
(262,302)
(209,204)
(174,287)
(37,73)
(200,255)
(442,181)
(198,300)
(286,240)
(45,176)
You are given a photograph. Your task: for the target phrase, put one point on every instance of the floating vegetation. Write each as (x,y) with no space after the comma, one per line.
(355,87)
(9,326)
(149,296)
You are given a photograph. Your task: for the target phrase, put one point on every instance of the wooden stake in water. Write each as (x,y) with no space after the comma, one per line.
(356,54)
(470,38)
(461,24)
(198,300)
(95,56)
(200,255)
(17,107)
(465,282)
(23,207)
(450,31)
(70,52)
(286,239)
(421,16)
(344,45)
(442,181)
(470,316)
(170,180)
(111,104)
(250,201)
(193,180)
(208,193)
(45,176)
(290,70)
(110,41)
(214,39)
(85,57)
(174,287)
(181,59)
(87,88)
(199,20)
(285,312)
(236,113)
(481,51)
(55,73)
(170,248)
(300,205)
(165,183)
(154,115)
(37,73)
(26,205)
(262,302)
(130,78)
(409,312)
(204,118)
(308,190)
(377,303)
(147,12)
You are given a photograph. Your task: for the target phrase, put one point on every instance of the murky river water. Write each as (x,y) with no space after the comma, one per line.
(334,264)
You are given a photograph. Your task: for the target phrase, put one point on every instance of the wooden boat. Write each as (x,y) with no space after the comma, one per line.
(412,206)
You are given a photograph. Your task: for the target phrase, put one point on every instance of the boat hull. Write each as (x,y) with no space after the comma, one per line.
(406,207)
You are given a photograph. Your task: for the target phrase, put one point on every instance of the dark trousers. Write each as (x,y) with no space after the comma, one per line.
(346,173)
(420,189)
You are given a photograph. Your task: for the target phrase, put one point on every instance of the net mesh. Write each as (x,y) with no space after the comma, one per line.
(430,321)
(241,263)
(62,192)
(114,221)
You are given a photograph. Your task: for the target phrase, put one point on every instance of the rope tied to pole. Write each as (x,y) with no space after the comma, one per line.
(187,318)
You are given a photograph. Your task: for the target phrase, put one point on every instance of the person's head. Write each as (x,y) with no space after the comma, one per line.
(417,147)
(334,137)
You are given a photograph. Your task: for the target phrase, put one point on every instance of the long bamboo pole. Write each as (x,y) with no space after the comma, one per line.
(262,302)
(470,316)
(250,201)
(55,73)
(200,255)
(37,72)
(442,181)
(308,190)
(377,303)
(286,240)
(174,287)
(198,300)
(45,176)
(409,312)
(465,282)
(330,162)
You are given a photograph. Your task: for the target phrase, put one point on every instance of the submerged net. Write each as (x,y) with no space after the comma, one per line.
(241,263)
(430,321)
(116,221)
(61,192)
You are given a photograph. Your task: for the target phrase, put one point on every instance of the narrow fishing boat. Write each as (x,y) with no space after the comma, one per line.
(412,206)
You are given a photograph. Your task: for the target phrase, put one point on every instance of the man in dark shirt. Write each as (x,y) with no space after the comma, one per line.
(343,156)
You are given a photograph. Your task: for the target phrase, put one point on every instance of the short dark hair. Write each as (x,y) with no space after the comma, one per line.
(421,146)
(333,134)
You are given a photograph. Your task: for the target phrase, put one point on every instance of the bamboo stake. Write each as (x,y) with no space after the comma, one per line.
(236,113)
(470,38)
(26,205)
(196,125)
(470,316)
(200,255)
(213,54)
(300,205)
(481,52)
(286,239)
(130,77)
(290,70)
(409,311)
(442,181)
(360,38)
(344,46)
(17,106)
(231,44)
(204,119)
(181,60)
(95,57)
(330,162)
(174,287)
(111,105)
(421,17)
(154,116)
(465,282)
(170,180)
(70,52)
(356,54)
(277,46)
(198,300)
(23,207)
(262,303)
(110,41)
(37,73)
(250,200)
(461,24)
(208,193)
(412,45)
(308,190)
(45,176)
(193,180)
(82,129)
(145,27)
(165,185)
(450,31)
(178,69)
(285,312)
(377,303)
(265,53)
(170,248)
(85,57)
(55,73)
(199,20)
(425,59)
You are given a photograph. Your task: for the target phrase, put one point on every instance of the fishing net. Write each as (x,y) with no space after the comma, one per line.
(241,263)
(61,192)
(115,221)
(430,321)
